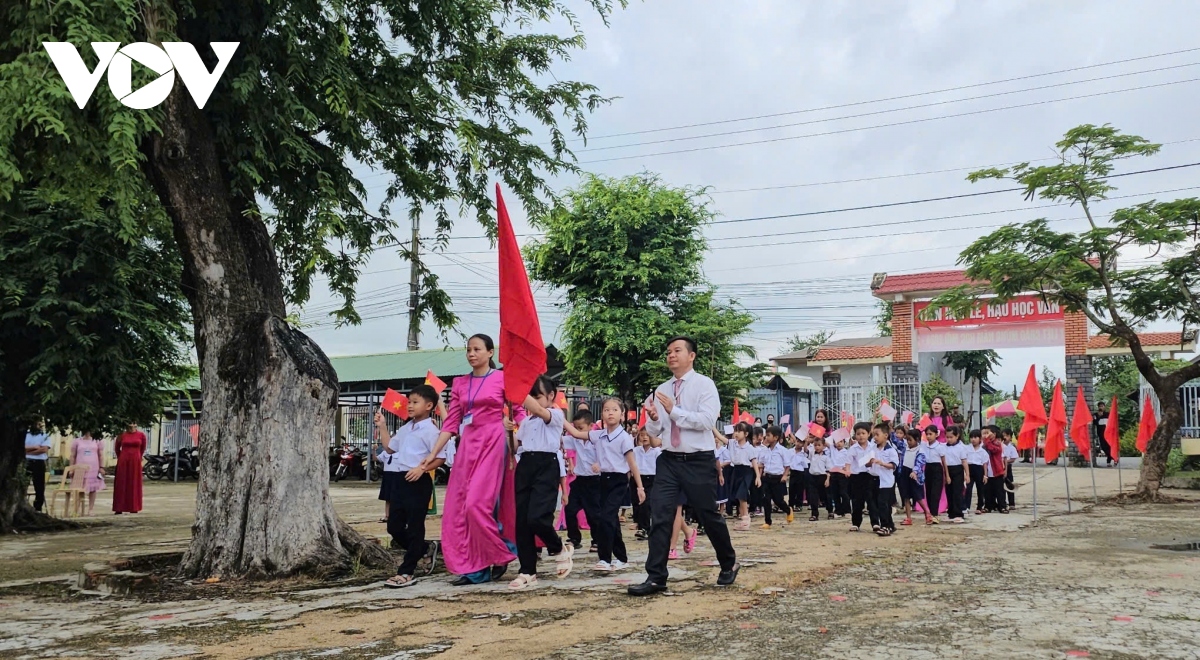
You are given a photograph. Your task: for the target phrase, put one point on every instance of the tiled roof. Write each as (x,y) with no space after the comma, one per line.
(1147,339)
(828,353)
(933,281)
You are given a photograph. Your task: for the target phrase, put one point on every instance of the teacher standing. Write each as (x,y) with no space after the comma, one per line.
(683,412)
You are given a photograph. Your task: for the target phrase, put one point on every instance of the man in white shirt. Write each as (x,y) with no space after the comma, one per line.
(37,452)
(683,412)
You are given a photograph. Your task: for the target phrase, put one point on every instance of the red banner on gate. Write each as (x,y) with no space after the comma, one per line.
(1022,309)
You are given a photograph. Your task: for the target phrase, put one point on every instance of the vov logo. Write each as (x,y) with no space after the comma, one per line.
(118,61)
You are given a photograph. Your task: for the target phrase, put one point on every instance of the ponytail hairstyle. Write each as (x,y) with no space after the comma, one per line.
(544,385)
(488,344)
(747,428)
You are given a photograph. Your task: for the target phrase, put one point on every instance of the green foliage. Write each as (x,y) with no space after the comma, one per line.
(438,97)
(796,343)
(91,326)
(974,365)
(1129,442)
(1174,461)
(1046,386)
(937,386)
(628,253)
(1117,375)
(883,318)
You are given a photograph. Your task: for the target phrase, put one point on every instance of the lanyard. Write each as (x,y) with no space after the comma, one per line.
(470,386)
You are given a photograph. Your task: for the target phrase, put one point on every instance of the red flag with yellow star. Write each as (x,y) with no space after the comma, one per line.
(436,383)
(395,403)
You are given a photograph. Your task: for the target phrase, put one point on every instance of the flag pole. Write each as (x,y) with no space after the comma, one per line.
(1092,469)
(1067,481)
(1034,463)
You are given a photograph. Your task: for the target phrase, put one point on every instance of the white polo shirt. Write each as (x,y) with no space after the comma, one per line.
(646,459)
(539,435)
(611,449)
(585,455)
(411,443)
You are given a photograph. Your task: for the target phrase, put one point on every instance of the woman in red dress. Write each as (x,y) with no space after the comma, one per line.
(127,490)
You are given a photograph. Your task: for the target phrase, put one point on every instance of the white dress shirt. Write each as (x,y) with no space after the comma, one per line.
(695,412)
(647,459)
(539,435)
(774,459)
(611,448)
(585,455)
(412,442)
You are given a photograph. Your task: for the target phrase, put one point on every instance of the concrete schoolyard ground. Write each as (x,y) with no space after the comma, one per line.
(1088,584)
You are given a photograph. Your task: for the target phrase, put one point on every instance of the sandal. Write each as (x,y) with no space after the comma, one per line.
(523,581)
(883,532)
(813,519)
(399,581)
(435,547)
(932,521)
(564,561)
(382,520)
(689,544)
(854,528)
(906,521)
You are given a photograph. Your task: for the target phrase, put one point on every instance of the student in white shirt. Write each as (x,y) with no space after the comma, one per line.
(776,465)
(862,487)
(882,466)
(614,454)
(977,461)
(585,487)
(1010,456)
(839,476)
(818,480)
(798,482)
(410,494)
(936,474)
(743,456)
(956,466)
(537,484)
(645,454)
(37,453)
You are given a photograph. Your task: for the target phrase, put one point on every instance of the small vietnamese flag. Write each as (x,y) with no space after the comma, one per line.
(1056,437)
(925,422)
(560,401)
(1035,412)
(630,415)
(438,384)
(1112,432)
(748,418)
(1147,426)
(1081,420)
(395,403)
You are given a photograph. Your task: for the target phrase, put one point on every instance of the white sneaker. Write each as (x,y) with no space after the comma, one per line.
(617,565)
(603,567)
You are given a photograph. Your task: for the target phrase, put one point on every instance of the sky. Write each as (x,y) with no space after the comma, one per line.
(873,103)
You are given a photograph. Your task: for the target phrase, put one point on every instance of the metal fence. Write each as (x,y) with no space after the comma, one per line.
(1189,400)
(862,399)
(177,434)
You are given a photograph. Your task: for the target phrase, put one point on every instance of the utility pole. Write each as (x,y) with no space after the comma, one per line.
(414,320)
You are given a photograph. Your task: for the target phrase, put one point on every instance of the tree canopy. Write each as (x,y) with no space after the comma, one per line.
(627,252)
(1080,269)
(796,343)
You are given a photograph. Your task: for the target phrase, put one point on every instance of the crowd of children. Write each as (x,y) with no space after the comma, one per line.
(586,472)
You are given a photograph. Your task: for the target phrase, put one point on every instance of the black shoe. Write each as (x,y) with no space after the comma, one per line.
(592,548)
(726,578)
(498,572)
(647,588)
(461,581)
(641,535)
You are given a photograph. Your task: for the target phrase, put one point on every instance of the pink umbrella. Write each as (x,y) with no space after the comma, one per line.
(1006,408)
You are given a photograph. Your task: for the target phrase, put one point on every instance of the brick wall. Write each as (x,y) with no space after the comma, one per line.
(1075,326)
(1079,372)
(902,332)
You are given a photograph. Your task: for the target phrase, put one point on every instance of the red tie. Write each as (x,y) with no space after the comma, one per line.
(676,437)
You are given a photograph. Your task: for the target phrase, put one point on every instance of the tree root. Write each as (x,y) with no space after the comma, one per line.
(27,520)
(1146,497)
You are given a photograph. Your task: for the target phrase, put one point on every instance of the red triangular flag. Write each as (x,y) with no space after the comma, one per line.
(522,350)
(1081,422)
(1035,412)
(630,415)
(560,400)
(737,414)
(1112,432)
(395,403)
(438,384)
(925,422)
(1148,425)
(1056,432)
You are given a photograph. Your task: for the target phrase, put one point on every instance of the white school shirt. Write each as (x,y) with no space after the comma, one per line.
(611,449)
(536,434)
(818,464)
(740,454)
(390,463)
(799,460)
(955,454)
(1009,451)
(837,457)
(977,455)
(585,455)
(910,457)
(411,443)
(935,452)
(646,459)
(562,464)
(887,477)
(855,454)
(695,413)
(775,460)
(723,454)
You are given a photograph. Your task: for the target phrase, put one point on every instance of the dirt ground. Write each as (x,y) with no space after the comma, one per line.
(1085,583)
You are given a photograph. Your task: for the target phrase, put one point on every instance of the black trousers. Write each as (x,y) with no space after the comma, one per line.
(1010,486)
(694,476)
(37,474)
(935,483)
(839,492)
(774,492)
(797,489)
(641,512)
(584,497)
(536,486)
(862,492)
(881,513)
(976,472)
(818,493)
(606,530)
(406,518)
(730,504)
(955,490)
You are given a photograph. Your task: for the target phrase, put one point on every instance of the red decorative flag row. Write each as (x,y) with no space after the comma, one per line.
(1112,432)
(1148,424)
(436,383)
(1081,422)
(1035,412)
(1056,432)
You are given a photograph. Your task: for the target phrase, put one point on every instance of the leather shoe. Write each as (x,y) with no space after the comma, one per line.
(461,581)
(646,588)
(726,578)
(498,572)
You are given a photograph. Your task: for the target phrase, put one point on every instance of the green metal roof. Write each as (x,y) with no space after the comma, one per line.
(404,365)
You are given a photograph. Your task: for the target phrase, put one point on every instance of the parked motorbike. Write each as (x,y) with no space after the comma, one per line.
(154,467)
(189,464)
(350,460)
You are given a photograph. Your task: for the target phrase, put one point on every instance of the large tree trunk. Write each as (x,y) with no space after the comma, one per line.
(269,392)
(1154,461)
(16,513)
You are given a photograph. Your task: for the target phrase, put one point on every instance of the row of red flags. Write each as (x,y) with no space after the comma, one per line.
(1056,422)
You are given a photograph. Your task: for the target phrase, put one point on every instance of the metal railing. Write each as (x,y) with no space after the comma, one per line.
(862,399)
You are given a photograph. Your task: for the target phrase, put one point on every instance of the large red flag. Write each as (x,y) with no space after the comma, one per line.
(521,348)
(1148,425)
(1056,432)
(1081,422)
(1112,432)
(1035,412)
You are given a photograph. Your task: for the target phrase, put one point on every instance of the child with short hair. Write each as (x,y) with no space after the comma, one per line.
(645,454)
(585,486)
(1010,457)
(818,480)
(839,476)
(862,489)
(977,458)
(798,483)
(956,467)
(882,471)
(411,490)
(995,468)
(776,465)
(912,478)
(744,458)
